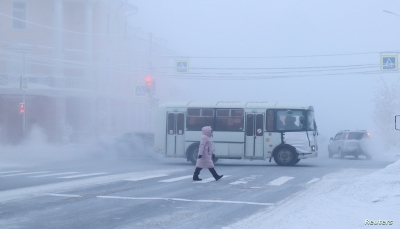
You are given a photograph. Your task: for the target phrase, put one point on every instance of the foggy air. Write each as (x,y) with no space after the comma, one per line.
(199,114)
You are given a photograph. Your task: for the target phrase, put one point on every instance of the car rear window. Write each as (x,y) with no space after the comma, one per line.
(355,135)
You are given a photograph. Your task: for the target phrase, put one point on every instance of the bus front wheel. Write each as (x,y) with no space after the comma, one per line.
(296,161)
(285,156)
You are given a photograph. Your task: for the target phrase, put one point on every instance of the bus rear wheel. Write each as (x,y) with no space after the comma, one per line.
(193,154)
(285,156)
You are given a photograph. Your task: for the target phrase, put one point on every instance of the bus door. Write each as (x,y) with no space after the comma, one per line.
(254,135)
(175,134)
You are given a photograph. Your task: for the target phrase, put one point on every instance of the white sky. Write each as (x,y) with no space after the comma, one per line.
(256,28)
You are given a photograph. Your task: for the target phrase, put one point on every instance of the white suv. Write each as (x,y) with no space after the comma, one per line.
(349,143)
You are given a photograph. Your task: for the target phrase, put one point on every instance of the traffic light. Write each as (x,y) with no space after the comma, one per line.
(149,81)
(22,108)
(150,85)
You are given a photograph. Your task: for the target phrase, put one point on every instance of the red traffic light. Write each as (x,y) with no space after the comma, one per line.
(149,81)
(22,108)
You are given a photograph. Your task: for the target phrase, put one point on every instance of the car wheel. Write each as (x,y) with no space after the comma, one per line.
(340,152)
(285,156)
(356,156)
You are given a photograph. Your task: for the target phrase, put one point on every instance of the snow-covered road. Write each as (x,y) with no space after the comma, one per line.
(352,198)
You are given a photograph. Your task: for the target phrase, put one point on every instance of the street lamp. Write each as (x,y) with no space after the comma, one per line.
(133,10)
(391,13)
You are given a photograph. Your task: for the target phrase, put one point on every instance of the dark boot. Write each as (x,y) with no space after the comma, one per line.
(215,174)
(196,174)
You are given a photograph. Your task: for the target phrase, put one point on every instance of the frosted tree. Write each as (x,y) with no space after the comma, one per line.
(387,105)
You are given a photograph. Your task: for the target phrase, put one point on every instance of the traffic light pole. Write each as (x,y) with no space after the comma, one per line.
(23,100)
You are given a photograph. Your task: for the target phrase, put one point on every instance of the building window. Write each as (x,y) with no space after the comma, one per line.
(19,15)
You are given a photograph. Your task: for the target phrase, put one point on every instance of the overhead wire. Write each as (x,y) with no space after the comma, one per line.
(53,62)
(205,77)
(347,69)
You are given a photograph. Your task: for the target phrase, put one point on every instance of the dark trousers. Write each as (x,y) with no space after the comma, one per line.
(212,171)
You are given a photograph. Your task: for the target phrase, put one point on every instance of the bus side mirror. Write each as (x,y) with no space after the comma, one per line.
(331,139)
(397,122)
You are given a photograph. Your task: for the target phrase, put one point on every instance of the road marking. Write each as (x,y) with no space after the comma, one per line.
(17,171)
(313,180)
(279,181)
(146,177)
(19,174)
(209,179)
(54,174)
(245,180)
(185,200)
(83,175)
(62,195)
(177,179)
(37,191)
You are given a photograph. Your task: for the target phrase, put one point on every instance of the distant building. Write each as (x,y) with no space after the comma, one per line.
(82,62)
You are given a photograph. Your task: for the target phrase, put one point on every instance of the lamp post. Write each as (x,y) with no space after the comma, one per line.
(131,10)
(391,13)
(395,58)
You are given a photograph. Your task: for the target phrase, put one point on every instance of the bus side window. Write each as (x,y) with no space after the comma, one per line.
(171,124)
(270,120)
(229,120)
(180,123)
(249,125)
(197,118)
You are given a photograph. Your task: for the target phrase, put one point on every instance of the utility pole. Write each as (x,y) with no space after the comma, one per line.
(21,49)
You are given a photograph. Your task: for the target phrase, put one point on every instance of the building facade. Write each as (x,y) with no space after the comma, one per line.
(81,61)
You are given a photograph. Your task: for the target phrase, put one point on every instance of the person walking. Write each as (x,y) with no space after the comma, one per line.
(206,154)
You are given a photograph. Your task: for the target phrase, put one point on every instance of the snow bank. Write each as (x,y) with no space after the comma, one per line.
(349,199)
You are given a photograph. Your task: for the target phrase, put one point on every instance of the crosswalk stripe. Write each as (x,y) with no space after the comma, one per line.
(62,195)
(209,179)
(279,181)
(313,180)
(35,191)
(145,177)
(245,180)
(83,175)
(19,174)
(177,179)
(17,171)
(186,200)
(55,174)
(238,182)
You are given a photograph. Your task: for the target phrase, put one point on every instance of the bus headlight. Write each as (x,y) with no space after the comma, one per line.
(313,148)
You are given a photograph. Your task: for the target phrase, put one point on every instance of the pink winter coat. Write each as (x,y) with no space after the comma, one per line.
(206,149)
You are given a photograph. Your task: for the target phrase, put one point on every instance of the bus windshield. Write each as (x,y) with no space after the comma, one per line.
(294,120)
(290,120)
(311,121)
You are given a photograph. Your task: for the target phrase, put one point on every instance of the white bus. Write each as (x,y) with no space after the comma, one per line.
(241,130)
